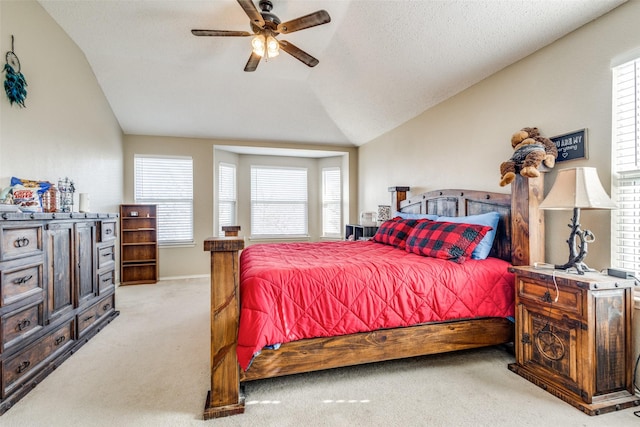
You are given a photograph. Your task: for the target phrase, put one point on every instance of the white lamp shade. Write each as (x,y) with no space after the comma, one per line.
(577,188)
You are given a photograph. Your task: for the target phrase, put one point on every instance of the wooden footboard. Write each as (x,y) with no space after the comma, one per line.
(325,353)
(520,240)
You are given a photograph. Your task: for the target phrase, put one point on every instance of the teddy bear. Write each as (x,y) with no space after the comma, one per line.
(530,150)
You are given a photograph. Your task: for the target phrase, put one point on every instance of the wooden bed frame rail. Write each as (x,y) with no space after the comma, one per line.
(519,239)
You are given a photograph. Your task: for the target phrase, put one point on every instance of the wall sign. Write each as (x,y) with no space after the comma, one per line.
(571,146)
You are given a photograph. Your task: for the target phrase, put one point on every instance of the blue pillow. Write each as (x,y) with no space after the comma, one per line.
(490,218)
(415,216)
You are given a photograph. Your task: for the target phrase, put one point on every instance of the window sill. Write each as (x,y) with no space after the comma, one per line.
(280,238)
(177,245)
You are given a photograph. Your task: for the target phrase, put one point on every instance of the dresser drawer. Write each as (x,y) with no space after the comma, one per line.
(19,280)
(20,241)
(20,324)
(107,231)
(568,299)
(95,313)
(106,256)
(106,281)
(18,368)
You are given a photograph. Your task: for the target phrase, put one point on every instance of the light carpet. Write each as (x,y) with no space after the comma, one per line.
(150,367)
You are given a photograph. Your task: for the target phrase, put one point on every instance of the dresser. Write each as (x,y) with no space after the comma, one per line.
(574,337)
(57,290)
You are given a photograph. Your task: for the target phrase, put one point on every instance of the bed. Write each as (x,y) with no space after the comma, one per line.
(236,359)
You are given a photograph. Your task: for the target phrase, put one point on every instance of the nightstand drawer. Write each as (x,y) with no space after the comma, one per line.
(568,299)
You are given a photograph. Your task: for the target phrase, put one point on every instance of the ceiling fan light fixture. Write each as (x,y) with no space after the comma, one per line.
(273,47)
(258,43)
(263,44)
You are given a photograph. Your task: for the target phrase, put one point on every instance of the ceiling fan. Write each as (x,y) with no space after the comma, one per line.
(266,26)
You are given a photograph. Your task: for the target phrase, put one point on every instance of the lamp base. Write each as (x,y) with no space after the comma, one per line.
(577,241)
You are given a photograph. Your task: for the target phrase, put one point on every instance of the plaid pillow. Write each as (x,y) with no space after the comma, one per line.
(395,231)
(445,240)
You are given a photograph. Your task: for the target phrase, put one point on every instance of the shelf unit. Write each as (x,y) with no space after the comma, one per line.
(138,244)
(359,232)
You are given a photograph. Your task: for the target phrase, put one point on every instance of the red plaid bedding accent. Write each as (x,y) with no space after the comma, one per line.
(445,240)
(395,231)
(293,291)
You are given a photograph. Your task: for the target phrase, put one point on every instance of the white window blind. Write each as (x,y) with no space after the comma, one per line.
(226,195)
(168,183)
(331,202)
(626,165)
(278,201)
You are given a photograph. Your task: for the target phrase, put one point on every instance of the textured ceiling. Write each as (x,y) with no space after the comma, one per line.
(381,62)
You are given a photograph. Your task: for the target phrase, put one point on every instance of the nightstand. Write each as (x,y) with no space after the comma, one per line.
(574,338)
(360,232)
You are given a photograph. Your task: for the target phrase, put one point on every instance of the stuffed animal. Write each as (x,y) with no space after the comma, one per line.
(530,150)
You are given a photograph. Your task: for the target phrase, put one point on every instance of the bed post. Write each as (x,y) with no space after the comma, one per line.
(527,220)
(398,194)
(224,397)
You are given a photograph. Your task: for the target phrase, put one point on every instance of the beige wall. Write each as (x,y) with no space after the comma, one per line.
(67,127)
(184,261)
(461,142)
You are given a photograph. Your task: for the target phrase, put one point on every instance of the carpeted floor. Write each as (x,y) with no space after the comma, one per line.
(150,367)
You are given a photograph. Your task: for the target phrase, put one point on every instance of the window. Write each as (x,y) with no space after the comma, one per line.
(331,202)
(226,195)
(278,201)
(168,183)
(626,165)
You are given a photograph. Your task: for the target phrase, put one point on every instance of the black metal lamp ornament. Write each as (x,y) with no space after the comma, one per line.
(14,83)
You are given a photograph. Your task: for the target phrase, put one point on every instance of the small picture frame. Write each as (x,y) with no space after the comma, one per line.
(133,213)
(571,146)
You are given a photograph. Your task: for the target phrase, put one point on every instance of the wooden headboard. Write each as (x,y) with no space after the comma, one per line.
(519,237)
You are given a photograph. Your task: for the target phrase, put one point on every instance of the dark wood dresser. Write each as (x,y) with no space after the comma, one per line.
(574,337)
(57,290)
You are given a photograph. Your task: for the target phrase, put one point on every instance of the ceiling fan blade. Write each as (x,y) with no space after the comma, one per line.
(297,53)
(220,33)
(253,62)
(316,18)
(252,12)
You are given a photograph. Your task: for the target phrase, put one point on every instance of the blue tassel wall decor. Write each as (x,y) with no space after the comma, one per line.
(14,83)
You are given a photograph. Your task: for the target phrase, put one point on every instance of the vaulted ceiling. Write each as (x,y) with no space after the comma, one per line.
(381,62)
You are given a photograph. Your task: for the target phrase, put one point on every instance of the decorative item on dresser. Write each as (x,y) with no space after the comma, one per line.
(574,337)
(57,290)
(139,244)
(518,240)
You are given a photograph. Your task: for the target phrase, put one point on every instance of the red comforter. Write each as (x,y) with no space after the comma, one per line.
(293,291)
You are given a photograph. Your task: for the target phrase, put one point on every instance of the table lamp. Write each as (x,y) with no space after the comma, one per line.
(577,188)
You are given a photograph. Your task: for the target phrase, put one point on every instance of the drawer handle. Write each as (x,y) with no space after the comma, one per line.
(86,319)
(108,231)
(60,339)
(107,254)
(23,324)
(21,243)
(23,366)
(106,279)
(22,280)
(106,307)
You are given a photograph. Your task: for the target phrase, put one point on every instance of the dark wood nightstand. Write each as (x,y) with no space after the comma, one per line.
(573,337)
(360,232)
